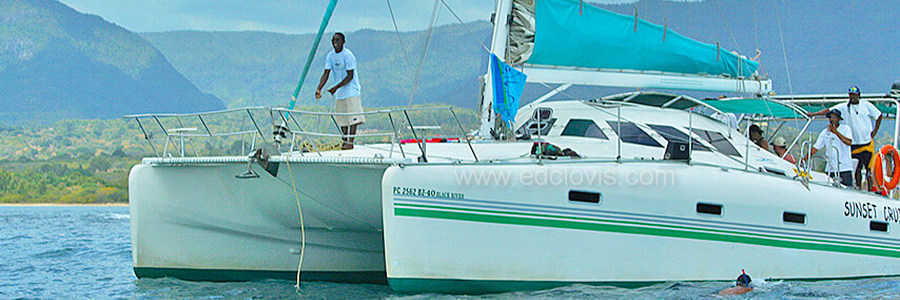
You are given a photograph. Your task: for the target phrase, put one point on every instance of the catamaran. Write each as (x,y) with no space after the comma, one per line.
(650,187)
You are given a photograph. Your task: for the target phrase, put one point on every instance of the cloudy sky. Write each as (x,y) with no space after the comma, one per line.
(295,16)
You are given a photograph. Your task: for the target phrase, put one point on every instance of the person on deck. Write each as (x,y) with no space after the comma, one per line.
(836,142)
(780,147)
(858,114)
(342,64)
(756,135)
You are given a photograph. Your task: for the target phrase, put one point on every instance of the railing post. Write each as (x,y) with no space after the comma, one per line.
(394,127)
(416,136)
(619,133)
(146,136)
(464,135)
(690,134)
(747,149)
(255,125)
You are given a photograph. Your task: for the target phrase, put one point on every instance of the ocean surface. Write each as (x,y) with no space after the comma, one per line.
(85,252)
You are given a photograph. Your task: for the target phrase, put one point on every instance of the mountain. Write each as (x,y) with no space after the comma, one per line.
(58,63)
(829,45)
(262,68)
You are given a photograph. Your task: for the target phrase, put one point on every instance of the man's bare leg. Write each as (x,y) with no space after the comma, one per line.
(857,175)
(352,133)
(348,132)
(344,142)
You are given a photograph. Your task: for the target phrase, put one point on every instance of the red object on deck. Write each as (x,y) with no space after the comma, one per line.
(431,140)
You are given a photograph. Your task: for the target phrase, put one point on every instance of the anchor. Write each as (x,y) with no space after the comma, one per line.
(261,158)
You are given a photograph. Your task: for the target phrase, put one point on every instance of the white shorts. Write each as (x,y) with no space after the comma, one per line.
(349,105)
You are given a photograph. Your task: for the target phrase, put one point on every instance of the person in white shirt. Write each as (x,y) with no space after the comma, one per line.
(859,114)
(835,141)
(342,64)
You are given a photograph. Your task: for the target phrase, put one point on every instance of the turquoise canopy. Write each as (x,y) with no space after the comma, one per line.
(755,106)
(597,38)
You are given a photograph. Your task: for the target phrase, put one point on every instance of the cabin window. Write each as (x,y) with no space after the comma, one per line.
(672,134)
(584,128)
(878,226)
(709,208)
(582,196)
(717,140)
(791,217)
(530,128)
(631,133)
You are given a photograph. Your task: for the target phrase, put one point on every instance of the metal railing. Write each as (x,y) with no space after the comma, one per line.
(295,130)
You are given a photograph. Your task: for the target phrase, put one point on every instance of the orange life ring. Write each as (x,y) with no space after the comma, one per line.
(879,173)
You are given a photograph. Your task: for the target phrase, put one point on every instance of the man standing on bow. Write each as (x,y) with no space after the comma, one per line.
(342,64)
(835,141)
(858,114)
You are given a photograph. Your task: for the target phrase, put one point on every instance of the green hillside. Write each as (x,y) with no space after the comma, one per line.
(262,68)
(58,63)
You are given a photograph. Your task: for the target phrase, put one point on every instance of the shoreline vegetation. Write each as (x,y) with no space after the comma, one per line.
(88,161)
(63,204)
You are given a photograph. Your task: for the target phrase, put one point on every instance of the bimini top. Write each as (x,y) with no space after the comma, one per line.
(886,103)
(566,33)
(765,108)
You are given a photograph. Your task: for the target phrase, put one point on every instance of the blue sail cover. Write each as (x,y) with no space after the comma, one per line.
(508,85)
(599,38)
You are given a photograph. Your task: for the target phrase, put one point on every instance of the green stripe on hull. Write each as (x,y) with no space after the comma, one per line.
(645,224)
(457,286)
(630,229)
(378,277)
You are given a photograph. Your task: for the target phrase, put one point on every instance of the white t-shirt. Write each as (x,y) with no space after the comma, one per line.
(339,63)
(859,117)
(837,154)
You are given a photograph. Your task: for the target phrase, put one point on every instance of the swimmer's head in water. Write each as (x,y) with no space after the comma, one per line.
(743,280)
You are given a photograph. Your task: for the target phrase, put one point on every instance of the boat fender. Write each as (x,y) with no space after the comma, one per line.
(879,172)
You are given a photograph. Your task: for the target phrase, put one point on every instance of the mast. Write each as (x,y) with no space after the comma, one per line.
(499,40)
(312,51)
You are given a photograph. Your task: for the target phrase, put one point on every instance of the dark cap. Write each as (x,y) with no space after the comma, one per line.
(834,112)
(853,90)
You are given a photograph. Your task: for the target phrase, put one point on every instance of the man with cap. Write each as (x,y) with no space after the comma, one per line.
(859,114)
(835,141)
(780,147)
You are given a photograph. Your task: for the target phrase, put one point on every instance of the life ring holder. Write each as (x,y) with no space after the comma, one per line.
(879,172)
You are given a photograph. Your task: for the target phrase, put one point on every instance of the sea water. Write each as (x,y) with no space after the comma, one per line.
(85,252)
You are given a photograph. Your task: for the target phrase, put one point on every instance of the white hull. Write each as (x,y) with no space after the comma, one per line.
(453,236)
(200,222)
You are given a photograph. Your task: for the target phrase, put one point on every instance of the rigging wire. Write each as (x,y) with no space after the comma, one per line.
(727,27)
(787,67)
(434,16)
(458,19)
(399,37)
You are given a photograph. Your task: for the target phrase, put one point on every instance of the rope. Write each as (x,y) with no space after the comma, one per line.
(302,227)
